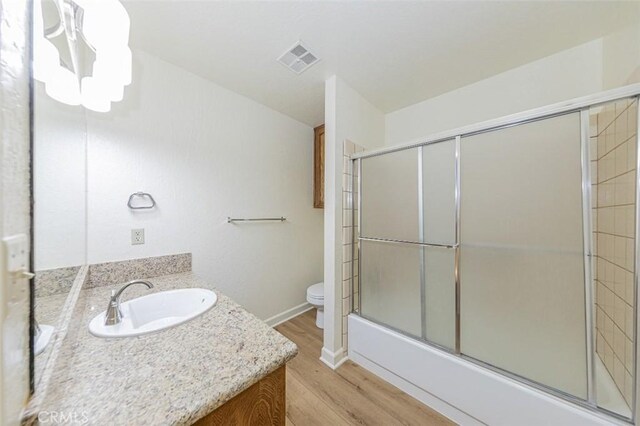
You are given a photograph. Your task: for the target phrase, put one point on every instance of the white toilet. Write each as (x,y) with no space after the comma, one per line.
(315,296)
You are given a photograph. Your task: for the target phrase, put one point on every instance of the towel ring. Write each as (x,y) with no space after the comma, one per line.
(141,194)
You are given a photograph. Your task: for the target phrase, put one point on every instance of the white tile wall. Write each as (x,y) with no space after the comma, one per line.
(613,173)
(349,255)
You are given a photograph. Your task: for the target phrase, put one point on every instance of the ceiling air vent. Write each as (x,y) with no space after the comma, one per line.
(298,58)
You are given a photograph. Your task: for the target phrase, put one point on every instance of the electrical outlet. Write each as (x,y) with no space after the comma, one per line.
(137,236)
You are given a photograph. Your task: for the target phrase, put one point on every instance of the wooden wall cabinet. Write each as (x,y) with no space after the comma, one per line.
(318,167)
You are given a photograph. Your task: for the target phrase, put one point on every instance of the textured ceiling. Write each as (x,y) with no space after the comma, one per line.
(393,53)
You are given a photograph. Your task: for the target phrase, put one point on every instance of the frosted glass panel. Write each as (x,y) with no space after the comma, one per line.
(390,285)
(438,185)
(389,199)
(440,296)
(522,270)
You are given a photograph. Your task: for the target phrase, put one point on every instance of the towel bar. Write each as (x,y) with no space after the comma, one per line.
(259,219)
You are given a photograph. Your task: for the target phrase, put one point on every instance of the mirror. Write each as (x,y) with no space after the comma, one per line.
(59,193)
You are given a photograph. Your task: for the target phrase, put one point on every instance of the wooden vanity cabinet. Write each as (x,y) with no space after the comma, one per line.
(263,404)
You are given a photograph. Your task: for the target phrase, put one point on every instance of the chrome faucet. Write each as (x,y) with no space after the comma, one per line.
(114,314)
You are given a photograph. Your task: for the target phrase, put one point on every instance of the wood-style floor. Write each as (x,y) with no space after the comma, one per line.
(317,395)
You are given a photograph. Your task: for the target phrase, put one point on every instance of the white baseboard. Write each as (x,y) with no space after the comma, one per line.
(288,314)
(333,359)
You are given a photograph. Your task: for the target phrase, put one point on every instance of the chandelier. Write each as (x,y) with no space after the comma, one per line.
(83,58)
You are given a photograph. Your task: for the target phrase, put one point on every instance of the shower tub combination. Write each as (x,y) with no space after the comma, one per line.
(498,266)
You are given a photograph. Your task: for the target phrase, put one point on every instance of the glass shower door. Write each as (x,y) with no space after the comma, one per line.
(514,248)
(407,241)
(389,228)
(522,252)
(438,170)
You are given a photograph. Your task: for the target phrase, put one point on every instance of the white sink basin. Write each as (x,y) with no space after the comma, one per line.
(156,312)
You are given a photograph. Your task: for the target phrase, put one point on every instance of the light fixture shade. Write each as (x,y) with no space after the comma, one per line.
(111,89)
(46,59)
(105,23)
(45,55)
(127,66)
(63,86)
(114,64)
(105,26)
(95,95)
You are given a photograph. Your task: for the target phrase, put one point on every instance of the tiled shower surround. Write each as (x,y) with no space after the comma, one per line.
(613,173)
(349,252)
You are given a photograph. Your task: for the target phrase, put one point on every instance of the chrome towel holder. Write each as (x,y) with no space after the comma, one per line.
(143,195)
(258,219)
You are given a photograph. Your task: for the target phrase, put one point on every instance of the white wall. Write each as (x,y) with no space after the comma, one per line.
(605,63)
(621,57)
(14,206)
(348,116)
(59,163)
(204,153)
(568,74)
(356,118)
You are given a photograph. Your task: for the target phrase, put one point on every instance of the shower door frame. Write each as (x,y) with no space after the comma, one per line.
(580,106)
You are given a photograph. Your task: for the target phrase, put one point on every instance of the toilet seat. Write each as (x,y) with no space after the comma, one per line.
(315,294)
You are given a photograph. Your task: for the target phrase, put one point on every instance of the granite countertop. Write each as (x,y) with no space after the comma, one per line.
(48,308)
(171,377)
(47,312)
